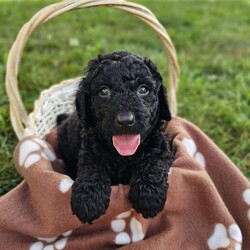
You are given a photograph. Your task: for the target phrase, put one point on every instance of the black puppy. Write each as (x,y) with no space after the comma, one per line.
(116,136)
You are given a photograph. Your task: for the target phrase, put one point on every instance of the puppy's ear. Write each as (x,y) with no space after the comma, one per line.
(164,112)
(83,104)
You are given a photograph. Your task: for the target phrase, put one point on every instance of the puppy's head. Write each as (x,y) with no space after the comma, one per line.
(123,97)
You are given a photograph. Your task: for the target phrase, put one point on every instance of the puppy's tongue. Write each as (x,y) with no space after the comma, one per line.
(126,144)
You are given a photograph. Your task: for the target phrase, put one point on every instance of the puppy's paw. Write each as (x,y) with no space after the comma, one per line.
(90,198)
(147,198)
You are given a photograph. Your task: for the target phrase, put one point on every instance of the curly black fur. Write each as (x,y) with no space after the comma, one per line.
(85,137)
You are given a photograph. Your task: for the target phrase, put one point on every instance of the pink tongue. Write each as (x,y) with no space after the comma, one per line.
(126,144)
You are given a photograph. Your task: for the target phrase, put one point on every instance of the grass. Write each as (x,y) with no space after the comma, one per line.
(212,41)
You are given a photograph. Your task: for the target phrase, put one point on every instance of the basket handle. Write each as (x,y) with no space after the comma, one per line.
(18,114)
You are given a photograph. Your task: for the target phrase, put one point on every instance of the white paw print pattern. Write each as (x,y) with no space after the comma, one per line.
(65,184)
(221,237)
(170,171)
(119,225)
(28,154)
(58,242)
(192,151)
(246,197)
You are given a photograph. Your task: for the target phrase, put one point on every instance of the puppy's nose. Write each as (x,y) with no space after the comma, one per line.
(125,119)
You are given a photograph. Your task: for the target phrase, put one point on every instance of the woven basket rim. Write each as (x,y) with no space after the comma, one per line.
(21,121)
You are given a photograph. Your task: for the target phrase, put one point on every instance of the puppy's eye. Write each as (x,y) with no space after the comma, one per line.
(104,91)
(142,90)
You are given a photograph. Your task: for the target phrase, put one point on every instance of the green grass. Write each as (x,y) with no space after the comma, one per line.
(212,39)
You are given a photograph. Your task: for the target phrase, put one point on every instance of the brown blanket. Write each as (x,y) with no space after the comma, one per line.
(208,203)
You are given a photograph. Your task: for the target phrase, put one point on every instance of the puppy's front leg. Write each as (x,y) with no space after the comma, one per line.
(90,192)
(148,187)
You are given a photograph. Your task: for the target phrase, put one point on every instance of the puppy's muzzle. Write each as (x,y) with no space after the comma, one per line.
(125,118)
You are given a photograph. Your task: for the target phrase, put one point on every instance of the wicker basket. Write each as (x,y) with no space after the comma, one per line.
(59,98)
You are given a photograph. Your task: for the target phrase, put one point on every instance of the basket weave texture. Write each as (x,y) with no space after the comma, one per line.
(60,98)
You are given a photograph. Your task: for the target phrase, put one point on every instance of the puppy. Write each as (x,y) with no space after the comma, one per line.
(116,136)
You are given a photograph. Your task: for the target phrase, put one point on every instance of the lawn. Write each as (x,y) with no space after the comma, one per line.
(212,39)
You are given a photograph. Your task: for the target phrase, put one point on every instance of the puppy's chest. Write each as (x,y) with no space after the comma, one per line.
(121,171)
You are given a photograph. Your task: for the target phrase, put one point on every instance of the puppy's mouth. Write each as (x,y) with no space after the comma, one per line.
(126,144)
